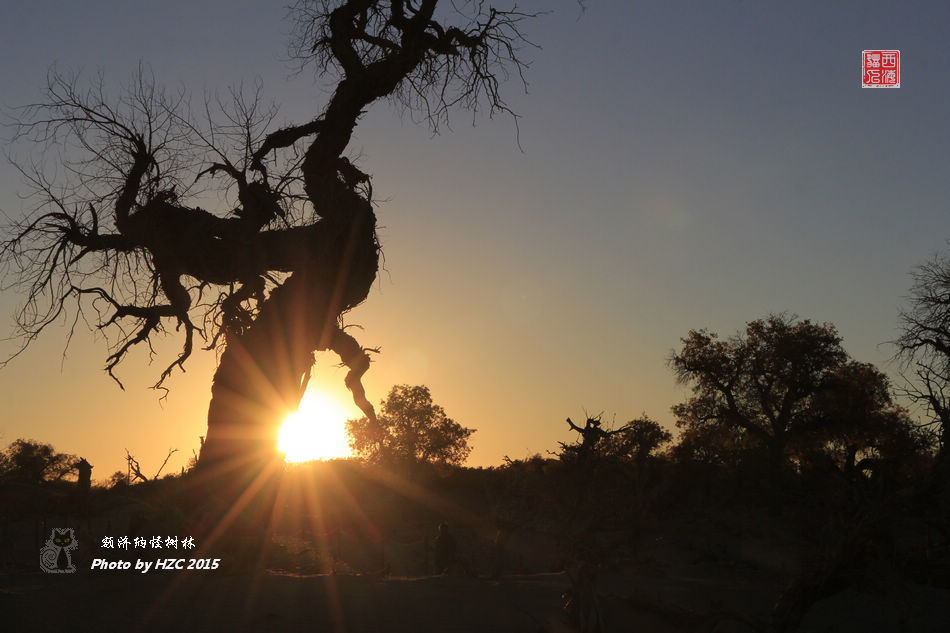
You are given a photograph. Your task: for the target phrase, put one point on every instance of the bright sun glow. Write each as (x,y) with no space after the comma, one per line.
(316,431)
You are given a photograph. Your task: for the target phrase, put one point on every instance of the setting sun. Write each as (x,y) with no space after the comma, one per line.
(316,431)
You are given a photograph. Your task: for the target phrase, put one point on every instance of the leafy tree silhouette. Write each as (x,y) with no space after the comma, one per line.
(118,235)
(637,440)
(780,387)
(32,462)
(410,429)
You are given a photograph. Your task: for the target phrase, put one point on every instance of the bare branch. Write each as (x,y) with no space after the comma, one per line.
(449,65)
(134,466)
(171,452)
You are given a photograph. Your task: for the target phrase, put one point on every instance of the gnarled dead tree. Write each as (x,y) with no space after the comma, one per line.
(924,347)
(120,236)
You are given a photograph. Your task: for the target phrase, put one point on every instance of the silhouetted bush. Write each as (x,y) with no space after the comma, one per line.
(28,461)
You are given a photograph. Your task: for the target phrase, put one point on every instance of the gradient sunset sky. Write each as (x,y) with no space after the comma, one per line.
(684,165)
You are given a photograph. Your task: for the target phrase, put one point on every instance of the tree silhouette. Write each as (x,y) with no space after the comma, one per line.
(32,462)
(864,431)
(782,386)
(591,443)
(117,237)
(410,429)
(637,440)
(924,346)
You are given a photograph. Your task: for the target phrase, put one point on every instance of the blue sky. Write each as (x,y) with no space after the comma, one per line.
(684,166)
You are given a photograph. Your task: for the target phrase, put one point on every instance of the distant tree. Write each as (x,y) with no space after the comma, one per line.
(591,443)
(634,442)
(410,428)
(118,479)
(924,346)
(637,440)
(29,461)
(781,386)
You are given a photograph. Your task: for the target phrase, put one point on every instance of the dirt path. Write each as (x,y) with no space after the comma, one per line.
(273,602)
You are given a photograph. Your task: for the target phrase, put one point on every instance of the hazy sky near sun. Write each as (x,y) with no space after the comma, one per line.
(684,165)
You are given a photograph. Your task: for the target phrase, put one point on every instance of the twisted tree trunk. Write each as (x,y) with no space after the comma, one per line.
(263,371)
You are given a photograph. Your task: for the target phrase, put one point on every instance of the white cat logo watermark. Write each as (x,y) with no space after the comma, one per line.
(54,556)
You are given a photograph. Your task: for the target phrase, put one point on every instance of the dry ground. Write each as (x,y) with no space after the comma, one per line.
(657,597)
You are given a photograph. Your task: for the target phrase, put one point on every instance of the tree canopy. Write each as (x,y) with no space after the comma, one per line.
(28,461)
(781,387)
(410,428)
(638,440)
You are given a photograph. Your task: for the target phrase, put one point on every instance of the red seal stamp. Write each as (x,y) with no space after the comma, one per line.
(880,69)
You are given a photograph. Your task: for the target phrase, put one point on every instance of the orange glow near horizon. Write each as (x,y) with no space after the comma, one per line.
(316,431)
